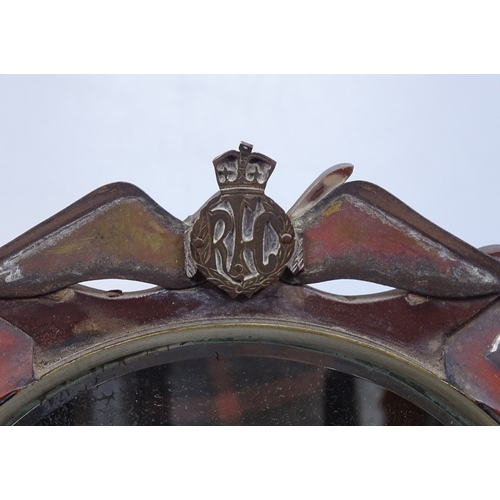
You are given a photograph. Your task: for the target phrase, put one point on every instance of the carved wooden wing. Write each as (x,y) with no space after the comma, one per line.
(117,231)
(360,231)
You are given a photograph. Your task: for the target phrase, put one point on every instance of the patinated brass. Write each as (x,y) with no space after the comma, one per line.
(241,240)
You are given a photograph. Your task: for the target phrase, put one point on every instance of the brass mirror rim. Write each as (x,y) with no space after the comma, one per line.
(330,342)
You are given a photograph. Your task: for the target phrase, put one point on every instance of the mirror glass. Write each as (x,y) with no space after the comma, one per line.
(219,389)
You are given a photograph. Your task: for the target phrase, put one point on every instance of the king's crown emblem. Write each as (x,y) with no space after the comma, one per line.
(243,169)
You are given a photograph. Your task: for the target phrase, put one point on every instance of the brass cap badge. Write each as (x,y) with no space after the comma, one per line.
(240,240)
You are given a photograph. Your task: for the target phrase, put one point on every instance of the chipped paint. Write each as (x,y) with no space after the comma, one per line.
(335,207)
(12,274)
(414,300)
(495,344)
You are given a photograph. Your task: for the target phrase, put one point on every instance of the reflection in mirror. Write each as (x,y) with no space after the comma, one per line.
(235,390)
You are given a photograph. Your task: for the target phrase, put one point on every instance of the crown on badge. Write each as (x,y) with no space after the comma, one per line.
(243,169)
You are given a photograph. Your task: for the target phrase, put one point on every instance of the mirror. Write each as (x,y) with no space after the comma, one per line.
(225,384)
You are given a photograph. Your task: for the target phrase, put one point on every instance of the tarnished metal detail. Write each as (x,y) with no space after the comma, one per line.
(189,263)
(241,240)
(297,262)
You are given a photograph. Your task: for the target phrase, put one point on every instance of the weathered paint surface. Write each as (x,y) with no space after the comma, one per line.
(473,359)
(72,321)
(362,232)
(16,359)
(114,232)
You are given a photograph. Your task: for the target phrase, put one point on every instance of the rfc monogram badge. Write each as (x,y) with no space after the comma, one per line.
(240,240)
